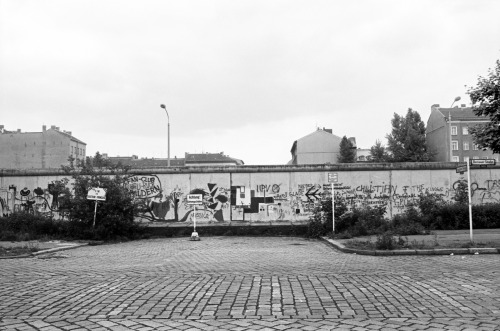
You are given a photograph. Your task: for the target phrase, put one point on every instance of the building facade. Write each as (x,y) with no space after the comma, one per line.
(47,149)
(448,136)
(319,147)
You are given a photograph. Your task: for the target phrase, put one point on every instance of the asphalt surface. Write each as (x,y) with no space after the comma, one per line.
(244,283)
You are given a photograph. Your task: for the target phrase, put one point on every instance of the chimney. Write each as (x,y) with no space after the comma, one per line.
(53,127)
(18,130)
(44,128)
(57,128)
(69,132)
(353,141)
(463,105)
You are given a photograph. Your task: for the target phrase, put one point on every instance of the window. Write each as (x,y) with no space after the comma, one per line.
(465,130)
(466,145)
(454,145)
(71,149)
(466,159)
(475,147)
(456,159)
(453,130)
(475,157)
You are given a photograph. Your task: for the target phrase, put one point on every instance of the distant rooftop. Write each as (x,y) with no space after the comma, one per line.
(461,113)
(44,129)
(190,160)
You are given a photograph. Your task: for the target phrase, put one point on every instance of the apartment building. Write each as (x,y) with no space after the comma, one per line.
(448,136)
(49,148)
(319,147)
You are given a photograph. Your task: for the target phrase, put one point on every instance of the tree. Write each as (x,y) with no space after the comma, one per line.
(347,152)
(485,97)
(407,139)
(379,153)
(115,216)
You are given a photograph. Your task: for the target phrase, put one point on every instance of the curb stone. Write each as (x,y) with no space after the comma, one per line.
(439,251)
(45,251)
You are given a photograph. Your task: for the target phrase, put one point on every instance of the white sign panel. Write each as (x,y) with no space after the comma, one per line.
(195,199)
(96,193)
(333,177)
(482,162)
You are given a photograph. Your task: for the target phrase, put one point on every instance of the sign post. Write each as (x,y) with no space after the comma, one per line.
(96,194)
(481,163)
(333,177)
(194,199)
(470,202)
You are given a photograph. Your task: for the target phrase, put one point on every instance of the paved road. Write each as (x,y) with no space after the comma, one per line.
(246,284)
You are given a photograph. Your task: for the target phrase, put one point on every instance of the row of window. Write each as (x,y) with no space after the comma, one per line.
(454,130)
(454,146)
(77,150)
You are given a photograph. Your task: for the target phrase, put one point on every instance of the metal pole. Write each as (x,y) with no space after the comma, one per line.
(168,119)
(168,162)
(194,217)
(95,212)
(333,209)
(470,200)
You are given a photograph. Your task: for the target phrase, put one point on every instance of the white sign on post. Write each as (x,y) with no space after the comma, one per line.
(193,200)
(96,194)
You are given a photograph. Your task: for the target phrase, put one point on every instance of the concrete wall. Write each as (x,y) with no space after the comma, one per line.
(261,194)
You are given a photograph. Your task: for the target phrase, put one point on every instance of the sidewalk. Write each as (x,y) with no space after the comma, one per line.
(43,247)
(450,242)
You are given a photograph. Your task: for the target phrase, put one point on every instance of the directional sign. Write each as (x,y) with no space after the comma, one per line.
(96,193)
(483,162)
(195,199)
(333,177)
(462,168)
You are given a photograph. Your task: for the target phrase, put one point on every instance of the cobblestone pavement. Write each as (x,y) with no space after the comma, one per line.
(233,283)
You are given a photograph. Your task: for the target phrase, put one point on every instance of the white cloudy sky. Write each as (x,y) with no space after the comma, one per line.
(243,77)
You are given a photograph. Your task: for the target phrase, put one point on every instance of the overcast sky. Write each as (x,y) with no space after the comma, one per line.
(246,78)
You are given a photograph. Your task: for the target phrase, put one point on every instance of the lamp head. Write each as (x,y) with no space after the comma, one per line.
(457,99)
(163,106)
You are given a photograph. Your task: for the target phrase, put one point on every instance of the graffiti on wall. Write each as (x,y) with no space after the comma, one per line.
(489,192)
(37,201)
(255,202)
(155,204)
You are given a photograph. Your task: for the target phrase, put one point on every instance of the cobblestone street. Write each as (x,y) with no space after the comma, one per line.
(246,283)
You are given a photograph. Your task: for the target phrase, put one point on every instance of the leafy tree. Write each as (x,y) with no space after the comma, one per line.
(115,216)
(379,153)
(485,97)
(407,139)
(347,151)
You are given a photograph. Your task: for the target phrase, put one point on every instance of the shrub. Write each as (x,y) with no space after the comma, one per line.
(115,216)
(387,240)
(362,221)
(408,223)
(320,223)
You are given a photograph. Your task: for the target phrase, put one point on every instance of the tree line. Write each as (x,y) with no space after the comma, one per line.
(407,140)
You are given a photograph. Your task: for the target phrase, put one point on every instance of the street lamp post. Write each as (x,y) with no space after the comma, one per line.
(456,99)
(168,119)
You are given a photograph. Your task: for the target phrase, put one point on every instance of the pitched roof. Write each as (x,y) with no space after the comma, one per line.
(460,114)
(210,158)
(146,163)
